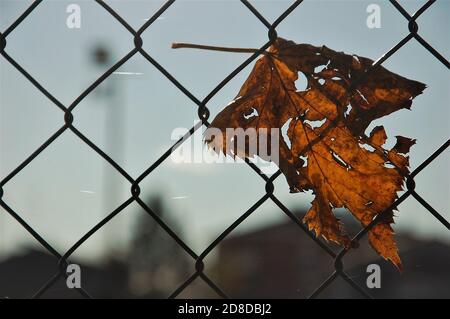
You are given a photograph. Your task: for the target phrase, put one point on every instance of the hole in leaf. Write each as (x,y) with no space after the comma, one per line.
(302,82)
(320,68)
(339,160)
(362,96)
(349,108)
(368,147)
(315,124)
(253,112)
(305,160)
(389,165)
(284,130)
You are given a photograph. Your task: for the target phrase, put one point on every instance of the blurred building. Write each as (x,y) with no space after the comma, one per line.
(283,262)
(22,275)
(279,261)
(152,267)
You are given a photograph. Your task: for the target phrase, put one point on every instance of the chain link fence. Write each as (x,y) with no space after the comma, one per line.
(203,113)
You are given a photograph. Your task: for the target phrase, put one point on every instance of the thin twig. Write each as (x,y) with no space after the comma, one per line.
(213,48)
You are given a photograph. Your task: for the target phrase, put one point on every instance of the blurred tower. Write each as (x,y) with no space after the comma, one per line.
(111,93)
(157,264)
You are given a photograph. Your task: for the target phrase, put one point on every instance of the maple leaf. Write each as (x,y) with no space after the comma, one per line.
(326,148)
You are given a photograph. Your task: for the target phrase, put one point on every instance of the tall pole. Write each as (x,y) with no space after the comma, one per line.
(114,142)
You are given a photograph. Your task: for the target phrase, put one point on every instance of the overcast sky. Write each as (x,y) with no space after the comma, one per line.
(62,193)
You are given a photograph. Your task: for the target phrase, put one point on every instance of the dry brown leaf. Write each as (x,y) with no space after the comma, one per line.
(327,149)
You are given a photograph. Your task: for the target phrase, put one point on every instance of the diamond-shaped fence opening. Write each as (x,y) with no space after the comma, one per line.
(68,126)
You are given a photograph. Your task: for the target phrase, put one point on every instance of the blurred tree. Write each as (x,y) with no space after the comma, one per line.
(157,265)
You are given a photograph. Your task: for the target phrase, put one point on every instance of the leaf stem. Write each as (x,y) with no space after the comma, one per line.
(213,48)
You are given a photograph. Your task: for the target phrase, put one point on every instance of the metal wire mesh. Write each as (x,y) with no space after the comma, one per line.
(203,114)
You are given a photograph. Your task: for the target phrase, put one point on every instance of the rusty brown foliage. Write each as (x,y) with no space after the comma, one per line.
(326,148)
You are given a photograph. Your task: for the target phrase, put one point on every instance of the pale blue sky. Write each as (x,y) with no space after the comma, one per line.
(63,201)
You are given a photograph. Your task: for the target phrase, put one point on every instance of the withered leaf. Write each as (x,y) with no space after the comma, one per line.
(326,148)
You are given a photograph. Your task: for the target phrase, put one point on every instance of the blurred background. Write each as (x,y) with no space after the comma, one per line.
(68,188)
